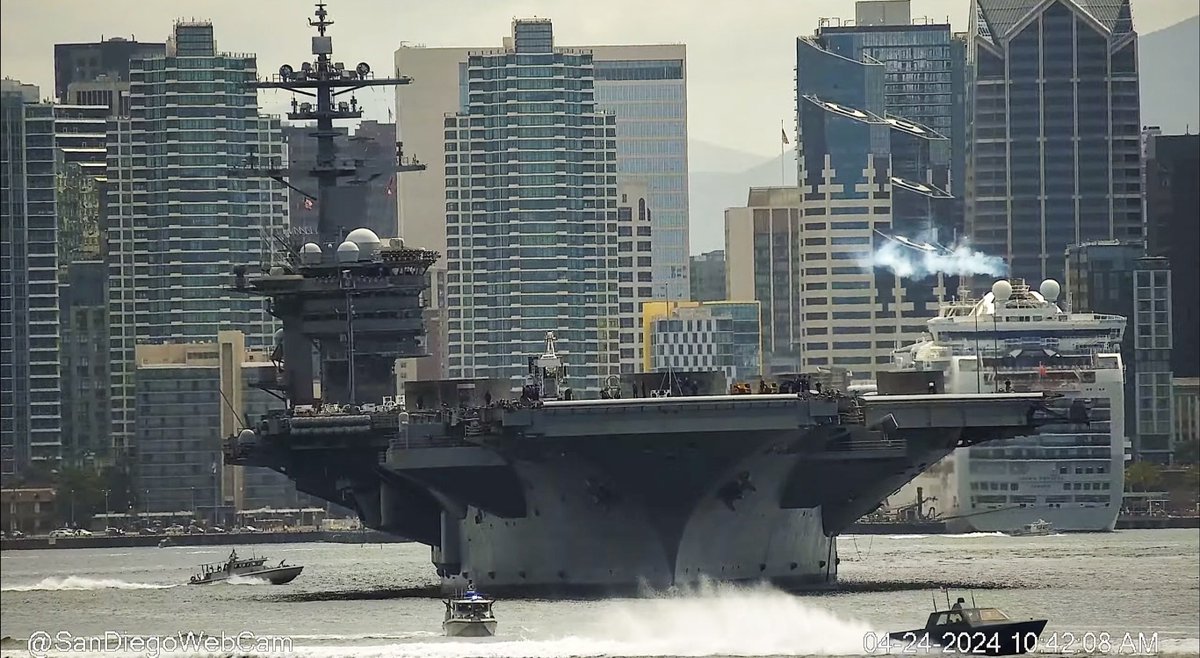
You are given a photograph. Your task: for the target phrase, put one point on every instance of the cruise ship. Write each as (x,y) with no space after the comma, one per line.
(1016,339)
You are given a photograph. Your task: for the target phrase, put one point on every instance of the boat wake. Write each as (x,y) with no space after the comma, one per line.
(246,580)
(79,583)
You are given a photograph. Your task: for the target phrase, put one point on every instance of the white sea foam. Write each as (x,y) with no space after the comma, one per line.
(80,583)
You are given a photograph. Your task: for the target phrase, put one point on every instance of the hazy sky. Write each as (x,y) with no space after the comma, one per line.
(740,52)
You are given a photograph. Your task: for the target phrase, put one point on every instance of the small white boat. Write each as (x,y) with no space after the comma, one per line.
(1036,529)
(469,615)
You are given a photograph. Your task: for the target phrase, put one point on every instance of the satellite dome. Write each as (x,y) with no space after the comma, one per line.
(347,252)
(1050,290)
(247,436)
(1001,290)
(278,339)
(368,243)
(310,253)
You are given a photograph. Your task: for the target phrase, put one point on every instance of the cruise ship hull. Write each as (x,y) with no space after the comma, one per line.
(616,495)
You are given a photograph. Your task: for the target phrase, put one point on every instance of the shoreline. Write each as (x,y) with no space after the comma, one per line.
(377,537)
(221,539)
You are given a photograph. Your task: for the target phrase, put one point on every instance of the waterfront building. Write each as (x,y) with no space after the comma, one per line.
(1053,156)
(1118,278)
(179,218)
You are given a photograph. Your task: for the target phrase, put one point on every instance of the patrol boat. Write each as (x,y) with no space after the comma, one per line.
(971,630)
(248,568)
(469,615)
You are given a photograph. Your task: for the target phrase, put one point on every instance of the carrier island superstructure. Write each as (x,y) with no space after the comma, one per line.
(541,491)
(1070,473)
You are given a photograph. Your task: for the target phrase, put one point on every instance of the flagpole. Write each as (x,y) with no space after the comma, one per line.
(782,175)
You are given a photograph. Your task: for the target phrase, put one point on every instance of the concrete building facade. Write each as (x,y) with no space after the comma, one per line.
(1053,138)
(190,396)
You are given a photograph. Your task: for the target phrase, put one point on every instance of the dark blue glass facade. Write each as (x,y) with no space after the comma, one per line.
(1054,134)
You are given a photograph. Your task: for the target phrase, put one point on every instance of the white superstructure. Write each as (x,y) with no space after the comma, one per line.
(1015,339)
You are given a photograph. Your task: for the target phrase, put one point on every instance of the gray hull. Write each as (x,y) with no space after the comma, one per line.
(570,540)
(469,627)
(616,495)
(276,576)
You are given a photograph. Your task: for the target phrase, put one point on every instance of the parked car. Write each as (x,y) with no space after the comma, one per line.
(114,532)
(62,532)
(80,532)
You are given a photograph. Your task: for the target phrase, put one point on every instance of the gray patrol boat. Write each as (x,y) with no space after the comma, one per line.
(540,491)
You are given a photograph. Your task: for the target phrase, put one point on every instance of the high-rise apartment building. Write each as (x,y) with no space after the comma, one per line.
(924,73)
(531,186)
(1117,278)
(643,86)
(51,156)
(179,218)
(1172,164)
(1053,153)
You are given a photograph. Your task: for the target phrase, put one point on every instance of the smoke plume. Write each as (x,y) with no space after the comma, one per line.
(918,258)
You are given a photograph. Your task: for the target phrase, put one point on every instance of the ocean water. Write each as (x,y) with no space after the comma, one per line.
(1138,589)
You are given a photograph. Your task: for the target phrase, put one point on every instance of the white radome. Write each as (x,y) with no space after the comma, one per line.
(368,243)
(1050,290)
(347,252)
(1001,290)
(310,253)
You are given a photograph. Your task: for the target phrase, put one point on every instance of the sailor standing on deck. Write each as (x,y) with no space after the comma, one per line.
(958,605)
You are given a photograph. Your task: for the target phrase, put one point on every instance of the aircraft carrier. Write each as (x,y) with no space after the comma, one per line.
(539,491)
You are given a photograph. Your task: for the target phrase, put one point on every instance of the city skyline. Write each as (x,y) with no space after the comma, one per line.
(764,41)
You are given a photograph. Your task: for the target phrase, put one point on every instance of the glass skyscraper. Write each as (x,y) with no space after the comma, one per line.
(1054,132)
(864,176)
(180,218)
(531,187)
(649,98)
(924,68)
(50,156)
